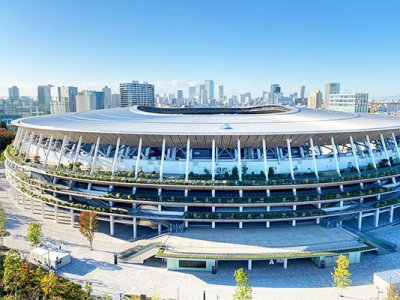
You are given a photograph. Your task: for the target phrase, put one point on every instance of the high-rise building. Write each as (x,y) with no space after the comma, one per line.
(209,86)
(107,97)
(72,92)
(115,100)
(350,102)
(179,95)
(221,92)
(59,100)
(135,93)
(314,100)
(301,92)
(13,93)
(192,92)
(85,100)
(44,98)
(99,100)
(330,88)
(200,92)
(275,94)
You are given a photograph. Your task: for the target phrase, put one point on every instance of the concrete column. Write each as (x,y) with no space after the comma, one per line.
(213,225)
(353,149)
(240,225)
(335,154)
(32,206)
(112,227)
(396,145)
(385,149)
(48,149)
(16,139)
(265,157)
(249,264)
(29,144)
(239,160)
(187,160)
(267,224)
(318,220)
(293,223)
(391,213)
(139,152)
(360,217)
(56,213)
(38,144)
(314,158)
(294,207)
(64,142)
(268,208)
(94,159)
(71,213)
(116,157)
(285,262)
(134,228)
(371,153)
(162,159)
(109,150)
(78,149)
(43,211)
(376,220)
(290,158)
(341,203)
(213,160)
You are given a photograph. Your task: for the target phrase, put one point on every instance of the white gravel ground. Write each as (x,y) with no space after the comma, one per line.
(302,280)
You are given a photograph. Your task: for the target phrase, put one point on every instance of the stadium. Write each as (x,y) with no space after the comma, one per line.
(267,183)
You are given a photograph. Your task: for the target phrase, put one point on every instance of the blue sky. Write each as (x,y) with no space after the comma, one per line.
(244,45)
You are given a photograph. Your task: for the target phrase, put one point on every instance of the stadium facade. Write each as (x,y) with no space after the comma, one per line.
(173,169)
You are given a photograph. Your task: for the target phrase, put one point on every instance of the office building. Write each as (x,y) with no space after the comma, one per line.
(44,98)
(209,87)
(350,102)
(314,100)
(301,92)
(192,92)
(221,92)
(275,94)
(179,95)
(13,93)
(85,100)
(107,97)
(59,100)
(135,93)
(72,92)
(330,88)
(115,100)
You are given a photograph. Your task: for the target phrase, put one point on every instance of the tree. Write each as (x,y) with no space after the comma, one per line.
(49,284)
(392,294)
(88,225)
(235,172)
(12,266)
(341,274)
(35,234)
(243,289)
(3,223)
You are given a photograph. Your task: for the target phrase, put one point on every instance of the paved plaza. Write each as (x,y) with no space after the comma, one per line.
(302,280)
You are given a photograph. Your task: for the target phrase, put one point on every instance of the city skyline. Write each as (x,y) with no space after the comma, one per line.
(242,48)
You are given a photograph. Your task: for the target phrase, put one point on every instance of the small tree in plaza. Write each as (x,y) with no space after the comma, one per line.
(243,289)
(35,234)
(392,293)
(341,274)
(88,225)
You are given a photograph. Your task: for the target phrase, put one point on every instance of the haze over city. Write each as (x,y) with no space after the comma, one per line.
(246,46)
